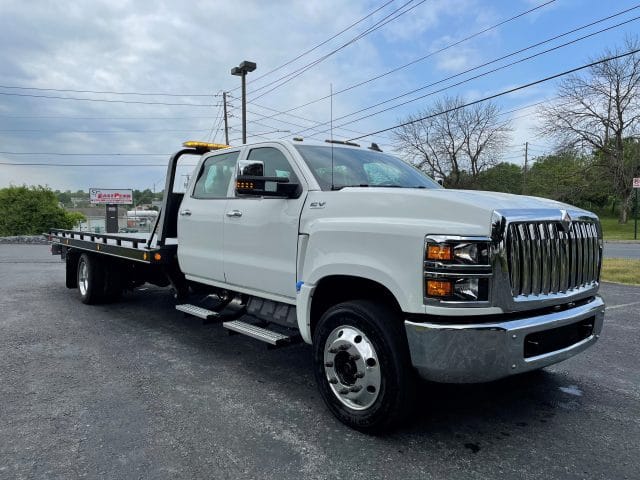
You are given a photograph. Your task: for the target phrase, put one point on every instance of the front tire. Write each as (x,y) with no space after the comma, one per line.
(362,366)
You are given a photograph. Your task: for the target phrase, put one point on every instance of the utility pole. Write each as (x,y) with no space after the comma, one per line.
(526,161)
(226,123)
(241,71)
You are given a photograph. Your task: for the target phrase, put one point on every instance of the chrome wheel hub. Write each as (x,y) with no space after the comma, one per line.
(352,368)
(83,278)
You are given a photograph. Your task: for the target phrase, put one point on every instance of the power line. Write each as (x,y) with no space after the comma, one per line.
(413,62)
(108,92)
(261,135)
(55,97)
(93,132)
(316,122)
(502,67)
(319,45)
(215,126)
(500,94)
(97,117)
(31,164)
(296,73)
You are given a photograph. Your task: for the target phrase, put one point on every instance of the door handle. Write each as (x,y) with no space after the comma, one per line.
(234,213)
(186,212)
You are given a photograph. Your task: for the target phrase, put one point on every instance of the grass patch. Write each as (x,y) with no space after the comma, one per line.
(612,230)
(621,270)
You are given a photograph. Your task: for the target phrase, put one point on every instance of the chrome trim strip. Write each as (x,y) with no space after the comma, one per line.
(455,238)
(450,266)
(433,275)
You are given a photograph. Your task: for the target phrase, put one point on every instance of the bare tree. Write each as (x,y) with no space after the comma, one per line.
(600,111)
(448,140)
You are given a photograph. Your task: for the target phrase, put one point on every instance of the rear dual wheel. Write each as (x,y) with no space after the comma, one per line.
(362,365)
(97,281)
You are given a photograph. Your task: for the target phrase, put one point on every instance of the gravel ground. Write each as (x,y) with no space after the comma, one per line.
(136,390)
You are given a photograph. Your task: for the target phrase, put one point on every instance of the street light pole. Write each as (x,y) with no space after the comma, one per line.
(241,71)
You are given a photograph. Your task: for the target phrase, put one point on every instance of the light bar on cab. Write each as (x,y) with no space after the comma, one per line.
(204,146)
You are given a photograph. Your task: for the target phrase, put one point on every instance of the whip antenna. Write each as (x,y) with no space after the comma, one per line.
(331,131)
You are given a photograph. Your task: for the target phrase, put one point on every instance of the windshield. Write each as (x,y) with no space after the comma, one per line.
(361,168)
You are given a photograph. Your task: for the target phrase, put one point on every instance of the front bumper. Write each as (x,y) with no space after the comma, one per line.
(471,353)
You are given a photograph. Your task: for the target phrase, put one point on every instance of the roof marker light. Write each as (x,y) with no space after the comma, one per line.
(204,146)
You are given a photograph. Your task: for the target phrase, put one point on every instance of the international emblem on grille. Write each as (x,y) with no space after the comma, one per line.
(565,220)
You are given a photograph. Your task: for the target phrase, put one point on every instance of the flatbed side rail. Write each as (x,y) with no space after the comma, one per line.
(130,248)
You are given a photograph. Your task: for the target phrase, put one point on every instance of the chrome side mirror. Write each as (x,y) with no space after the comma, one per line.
(254,168)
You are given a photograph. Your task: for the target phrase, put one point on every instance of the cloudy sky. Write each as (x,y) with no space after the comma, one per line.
(99,93)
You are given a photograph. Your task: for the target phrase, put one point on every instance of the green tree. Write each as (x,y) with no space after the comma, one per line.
(143,197)
(569,177)
(503,177)
(32,210)
(64,198)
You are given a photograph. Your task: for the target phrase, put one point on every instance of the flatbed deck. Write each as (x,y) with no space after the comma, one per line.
(140,247)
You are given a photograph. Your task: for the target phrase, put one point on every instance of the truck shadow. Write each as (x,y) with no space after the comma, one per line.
(472,414)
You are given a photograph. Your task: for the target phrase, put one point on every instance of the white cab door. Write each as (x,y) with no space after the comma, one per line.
(261,234)
(201,219)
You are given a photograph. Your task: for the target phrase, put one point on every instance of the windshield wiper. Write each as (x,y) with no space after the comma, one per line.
(340,187)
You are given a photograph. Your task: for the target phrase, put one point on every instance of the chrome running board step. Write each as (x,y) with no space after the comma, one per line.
(275,339)
(196,311)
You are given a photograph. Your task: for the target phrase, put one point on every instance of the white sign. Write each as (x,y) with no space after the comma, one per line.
(636,183)
(111,195)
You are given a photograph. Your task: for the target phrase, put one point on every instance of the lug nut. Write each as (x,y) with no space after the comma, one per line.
(328,364)
(344,347)
(343,391)
(360,375)
(355,357)
(333,380)
(333,350)
(356,388)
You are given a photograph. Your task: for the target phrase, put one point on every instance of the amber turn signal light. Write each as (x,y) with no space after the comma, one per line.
(437,288)
(439,252)
(240,185)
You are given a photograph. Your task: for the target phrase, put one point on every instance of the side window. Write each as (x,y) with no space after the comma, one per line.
(215,175)
(275,163)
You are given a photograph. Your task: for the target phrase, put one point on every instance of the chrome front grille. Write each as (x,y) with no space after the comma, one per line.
(547,258)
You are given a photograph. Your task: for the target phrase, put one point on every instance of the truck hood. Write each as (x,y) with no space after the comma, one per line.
(461,212)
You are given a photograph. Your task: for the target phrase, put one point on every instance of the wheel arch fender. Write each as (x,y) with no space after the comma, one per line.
(340,286)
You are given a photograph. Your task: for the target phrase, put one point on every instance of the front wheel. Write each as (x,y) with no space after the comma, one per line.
(362,366)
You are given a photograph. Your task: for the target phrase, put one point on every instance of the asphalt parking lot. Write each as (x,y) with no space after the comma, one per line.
(136,390)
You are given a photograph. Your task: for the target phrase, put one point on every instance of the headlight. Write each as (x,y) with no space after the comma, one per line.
(457,269)
(465,253)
